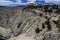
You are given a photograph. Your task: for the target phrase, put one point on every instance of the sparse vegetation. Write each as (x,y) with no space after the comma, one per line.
(24,20)
(48,24)
(58,24)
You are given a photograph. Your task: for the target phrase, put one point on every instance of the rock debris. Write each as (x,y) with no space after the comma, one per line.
(30,23)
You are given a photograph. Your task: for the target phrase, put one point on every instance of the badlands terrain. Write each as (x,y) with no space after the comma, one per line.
(30,23)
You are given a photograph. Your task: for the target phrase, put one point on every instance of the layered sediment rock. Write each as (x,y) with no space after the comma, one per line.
(29,24)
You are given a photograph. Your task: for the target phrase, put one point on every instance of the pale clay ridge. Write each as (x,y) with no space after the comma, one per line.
(22,26)
(21,37)
(5,32)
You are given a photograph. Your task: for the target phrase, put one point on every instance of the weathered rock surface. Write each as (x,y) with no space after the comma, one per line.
(29,24)
(21,37)
(5,32)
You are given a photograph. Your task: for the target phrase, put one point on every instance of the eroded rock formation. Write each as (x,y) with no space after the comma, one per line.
(33,23)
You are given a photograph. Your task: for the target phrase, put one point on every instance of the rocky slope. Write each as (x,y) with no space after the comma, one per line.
(30,23)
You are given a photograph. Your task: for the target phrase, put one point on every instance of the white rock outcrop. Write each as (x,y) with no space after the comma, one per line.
(21,37)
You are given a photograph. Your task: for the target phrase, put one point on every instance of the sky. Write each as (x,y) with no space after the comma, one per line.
(24,2)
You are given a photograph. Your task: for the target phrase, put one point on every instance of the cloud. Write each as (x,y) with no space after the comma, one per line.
(11,3)
(6,2)
(51,1)
(57,2)
(31,1)
(19,2)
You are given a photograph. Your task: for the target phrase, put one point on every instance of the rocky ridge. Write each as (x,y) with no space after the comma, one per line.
(30,23)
